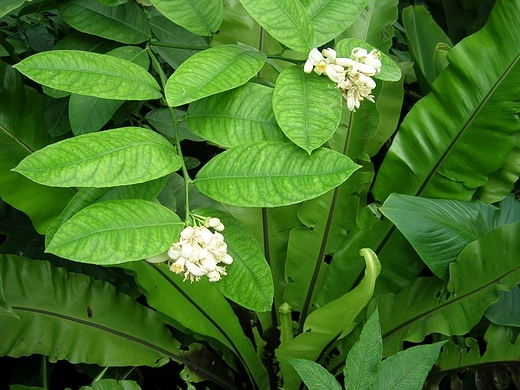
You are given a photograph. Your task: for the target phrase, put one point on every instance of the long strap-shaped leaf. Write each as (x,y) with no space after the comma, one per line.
(464,130)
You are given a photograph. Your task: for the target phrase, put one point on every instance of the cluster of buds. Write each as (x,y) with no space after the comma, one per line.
(198,252)
(351,75)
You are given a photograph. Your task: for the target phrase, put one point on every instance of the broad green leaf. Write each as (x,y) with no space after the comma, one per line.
(272,174)
(428,305)
(112,384)
(127,155)
(9,5)
(21,133)
(248,281)
(161,119)
(314,376)
(423,37)
(78,318)
(90,74)
(116,231)
(439,229)
(408,369)
(464,130)
(88,114)
(212,71)
(505,310)
(389,70)
(236,117)
(126,23)
(365,356)
(201,17)
(285,20)
(201,309)
(307,107)
(331,17)
(5,307)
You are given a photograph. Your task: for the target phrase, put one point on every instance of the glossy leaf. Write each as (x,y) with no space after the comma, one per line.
(112,384)
(332,17)
(307,109)
(199,17)
(248,281)
(126,23)
(212,71)
(128,155)
(285,20)
(454,138)
(21,133)
(439,229)
(90,74)
(236,117)
(272,174)
(428,305)
(9,5)
(199,308)
(78,318)
(116,231)
(314,376)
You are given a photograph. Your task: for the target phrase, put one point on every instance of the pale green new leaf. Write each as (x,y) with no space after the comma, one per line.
(112,384)
(331,17)
(127,155)
(272,174)
(365,356)
(285,20)
(307,107)
(78,318)
(201,17)
(236,117)
(126,23)
(408,369)
(212,71)
(116,231)
(90,74)
(314,376)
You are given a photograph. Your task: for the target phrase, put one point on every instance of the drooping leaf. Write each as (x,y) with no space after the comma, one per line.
(78,318)
(116,231)
(285,20)
(248,281)
(272,174)
(21,133)
(90,74)
(236,117)
(212,71)
(428,305)
(199,17)
(126,23)
(127,155)
(313,375)
(307,109)
(455,137)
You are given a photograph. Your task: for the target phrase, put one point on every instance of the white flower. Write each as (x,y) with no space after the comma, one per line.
(357,88)
(324,64)
(372,59)
(215,224)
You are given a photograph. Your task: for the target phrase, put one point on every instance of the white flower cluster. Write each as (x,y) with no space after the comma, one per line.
(351,75)
(198,252)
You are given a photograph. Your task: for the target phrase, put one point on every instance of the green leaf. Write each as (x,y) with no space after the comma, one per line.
(126,23)
(116,231)
(285,20)
(389,70)
(470,116)
(306,107)
(9,5)
(121,156)
(439,229)
(78,318)
(332,17)
(314,376)
(212,71)
(236,117)
(408,369)
(161,119)
(272,174)
(21,133)
(112,384)
(364,358)
(505,310)
(201,17)
(248,281)
(429,306)
(90,74)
